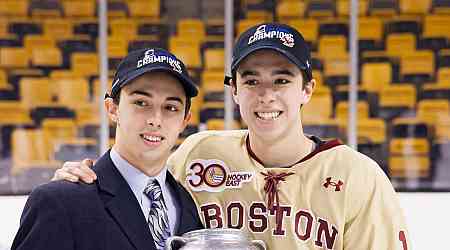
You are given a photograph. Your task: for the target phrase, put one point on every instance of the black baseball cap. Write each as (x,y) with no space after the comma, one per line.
(141,61)
(279,37)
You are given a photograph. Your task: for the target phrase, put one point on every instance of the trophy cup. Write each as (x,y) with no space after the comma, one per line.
(214,239)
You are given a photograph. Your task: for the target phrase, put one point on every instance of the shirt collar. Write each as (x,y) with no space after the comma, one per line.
(136,179)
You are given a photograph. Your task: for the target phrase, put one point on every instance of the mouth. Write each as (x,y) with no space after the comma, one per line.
(152,138)
(268,116)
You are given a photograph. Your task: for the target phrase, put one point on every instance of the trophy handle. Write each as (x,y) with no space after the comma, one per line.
(172,239)
(259,244)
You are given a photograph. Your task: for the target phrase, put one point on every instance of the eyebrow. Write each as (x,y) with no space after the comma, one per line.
(275,72)
(248,73)
(283,72)
(170,98)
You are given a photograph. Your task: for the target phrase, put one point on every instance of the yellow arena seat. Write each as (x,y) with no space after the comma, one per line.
(13,112)
(398,96)
(332,46)
(37,42)
(14,57)
(85,64)
(370,28)
(187,50)
(342,111)
(28,150)
(36,92)
(309,28)
(432,110)
(415,7)
(436,26)
(46,57)
(319,108)
(287,10)
(125,28)
(79,8)
(14,8)
(214,59)
(419,62)
(371,130)
(398,44)
(409,166)
(191,27)
(212,77)
(117,46)
(375,76)
(409,157)
(58,28)
(336,66)
(144,8)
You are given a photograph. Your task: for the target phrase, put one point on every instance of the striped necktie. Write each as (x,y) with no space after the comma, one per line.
(158,221)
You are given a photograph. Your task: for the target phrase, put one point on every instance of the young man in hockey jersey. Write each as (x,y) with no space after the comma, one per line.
(272,181)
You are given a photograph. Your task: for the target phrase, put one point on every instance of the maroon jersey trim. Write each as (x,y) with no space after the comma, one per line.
(323,145)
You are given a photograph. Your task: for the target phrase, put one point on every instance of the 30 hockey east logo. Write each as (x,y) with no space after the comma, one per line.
(214,176)
(264,31)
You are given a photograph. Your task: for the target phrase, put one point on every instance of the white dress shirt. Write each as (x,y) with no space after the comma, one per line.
(137,181)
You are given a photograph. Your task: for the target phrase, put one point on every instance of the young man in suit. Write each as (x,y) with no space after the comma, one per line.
(135,203)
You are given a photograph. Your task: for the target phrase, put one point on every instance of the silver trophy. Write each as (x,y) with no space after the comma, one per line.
(214,239)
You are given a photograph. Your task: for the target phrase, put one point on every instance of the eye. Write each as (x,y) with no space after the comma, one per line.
(251,82)
(172,108)
(140,103)
(281,81)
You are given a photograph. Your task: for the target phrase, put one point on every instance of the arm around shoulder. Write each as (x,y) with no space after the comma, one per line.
(45,223)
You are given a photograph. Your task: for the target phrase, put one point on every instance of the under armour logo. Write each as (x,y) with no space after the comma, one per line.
(336,185)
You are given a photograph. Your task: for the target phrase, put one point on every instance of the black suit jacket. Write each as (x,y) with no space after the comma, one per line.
(105,215)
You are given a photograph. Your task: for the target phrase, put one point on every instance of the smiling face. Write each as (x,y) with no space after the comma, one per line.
(269,93)
(149,116)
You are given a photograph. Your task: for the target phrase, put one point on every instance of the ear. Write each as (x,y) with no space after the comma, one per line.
(234,91)
(308,90)
(112,110)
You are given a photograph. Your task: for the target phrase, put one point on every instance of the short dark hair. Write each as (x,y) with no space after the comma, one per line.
(187,107)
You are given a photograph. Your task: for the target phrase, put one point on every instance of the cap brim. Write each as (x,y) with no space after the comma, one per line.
(188,85)
(260,47)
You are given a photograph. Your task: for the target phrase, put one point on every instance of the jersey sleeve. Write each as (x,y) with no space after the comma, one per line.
(374,218)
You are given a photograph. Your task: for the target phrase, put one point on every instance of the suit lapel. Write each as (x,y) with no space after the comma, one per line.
(186,217)
(122,205)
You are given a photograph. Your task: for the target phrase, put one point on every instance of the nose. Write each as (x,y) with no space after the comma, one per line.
(155,119)
(266,94)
